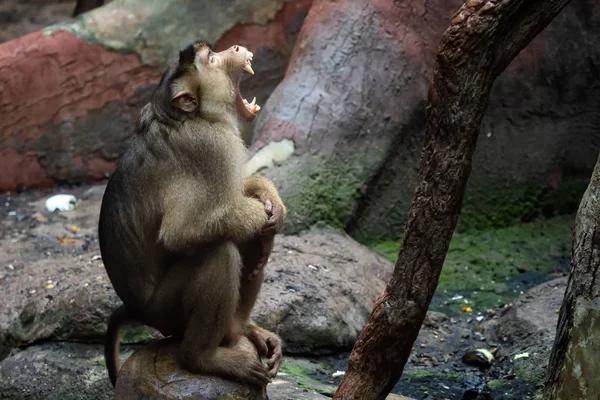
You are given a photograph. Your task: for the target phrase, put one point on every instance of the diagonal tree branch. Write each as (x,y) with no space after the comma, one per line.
(483,38)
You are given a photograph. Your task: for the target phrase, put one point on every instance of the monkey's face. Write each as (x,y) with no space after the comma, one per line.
(212,80)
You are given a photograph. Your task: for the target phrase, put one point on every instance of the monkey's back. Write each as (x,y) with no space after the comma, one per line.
(128,229)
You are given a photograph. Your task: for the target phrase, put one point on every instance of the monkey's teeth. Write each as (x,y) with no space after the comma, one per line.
(248,68)
(253,102)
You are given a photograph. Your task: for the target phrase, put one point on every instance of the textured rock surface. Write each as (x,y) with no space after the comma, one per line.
(55,371)
(70,371)
(71,94)
(319,288)
(152,373)
(357,125)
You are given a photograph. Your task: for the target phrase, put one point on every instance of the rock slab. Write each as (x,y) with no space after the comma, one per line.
(152,373)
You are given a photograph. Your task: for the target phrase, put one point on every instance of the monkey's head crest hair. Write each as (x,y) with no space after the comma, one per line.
(187,55)
(162,94)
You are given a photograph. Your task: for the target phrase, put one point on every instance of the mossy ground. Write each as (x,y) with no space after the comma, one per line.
(491,207)
(308,374)
(491,266)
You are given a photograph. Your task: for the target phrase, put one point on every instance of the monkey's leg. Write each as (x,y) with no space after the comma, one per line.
(255,254)
(209,300)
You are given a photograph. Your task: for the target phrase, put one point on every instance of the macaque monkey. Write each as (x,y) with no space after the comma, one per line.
(183,235)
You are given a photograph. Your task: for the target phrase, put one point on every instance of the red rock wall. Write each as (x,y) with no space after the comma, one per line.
(68,107)
(48,85)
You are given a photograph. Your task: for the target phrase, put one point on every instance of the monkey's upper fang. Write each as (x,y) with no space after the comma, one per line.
(248,67)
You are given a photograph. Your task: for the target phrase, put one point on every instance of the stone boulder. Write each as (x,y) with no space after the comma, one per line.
(152,373)
(72,93)
(318,291)
(76,371)
(342,134)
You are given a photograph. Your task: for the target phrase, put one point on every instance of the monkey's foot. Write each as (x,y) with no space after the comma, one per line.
(152,373)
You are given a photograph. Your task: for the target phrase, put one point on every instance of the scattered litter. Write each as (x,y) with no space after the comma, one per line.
(338,373)
(32,291)
(66,240)
(61,202)
(480,318)
(49,285)
(457,297)
(479,357)
(312,267)
(12,213)
(467,309)
(39,217)
(96,258)
(444,386)
(75,228)
(11,267)
(522,355)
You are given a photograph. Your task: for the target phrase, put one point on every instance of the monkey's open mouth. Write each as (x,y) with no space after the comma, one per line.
(247,109)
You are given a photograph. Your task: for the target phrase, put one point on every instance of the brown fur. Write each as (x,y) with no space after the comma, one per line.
(178,221)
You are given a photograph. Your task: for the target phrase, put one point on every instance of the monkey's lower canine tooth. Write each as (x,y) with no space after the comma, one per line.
(253,101)
(248,68)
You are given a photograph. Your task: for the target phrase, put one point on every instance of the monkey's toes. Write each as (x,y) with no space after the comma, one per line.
(259,375)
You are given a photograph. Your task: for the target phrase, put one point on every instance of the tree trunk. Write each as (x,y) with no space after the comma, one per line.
(483,38)
(572,371)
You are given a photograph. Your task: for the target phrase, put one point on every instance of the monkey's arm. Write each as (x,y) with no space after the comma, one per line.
(263,189)
(191,218)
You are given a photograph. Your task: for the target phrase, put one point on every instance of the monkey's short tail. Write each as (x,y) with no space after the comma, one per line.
(111,344)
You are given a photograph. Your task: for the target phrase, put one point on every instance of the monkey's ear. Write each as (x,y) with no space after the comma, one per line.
(185,102)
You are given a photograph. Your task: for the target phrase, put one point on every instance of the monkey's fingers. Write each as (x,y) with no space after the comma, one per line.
(259,342)
(270,228)
(276,356)
(268,207)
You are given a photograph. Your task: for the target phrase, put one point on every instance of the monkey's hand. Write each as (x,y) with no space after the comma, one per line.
(268,344)
(262,189)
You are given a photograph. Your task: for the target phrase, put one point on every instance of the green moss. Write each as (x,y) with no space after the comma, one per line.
(418,374)
(496,384)
(324,193)
(135,334)
(484,262)
(306,374)
(530,370)
(494,206)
